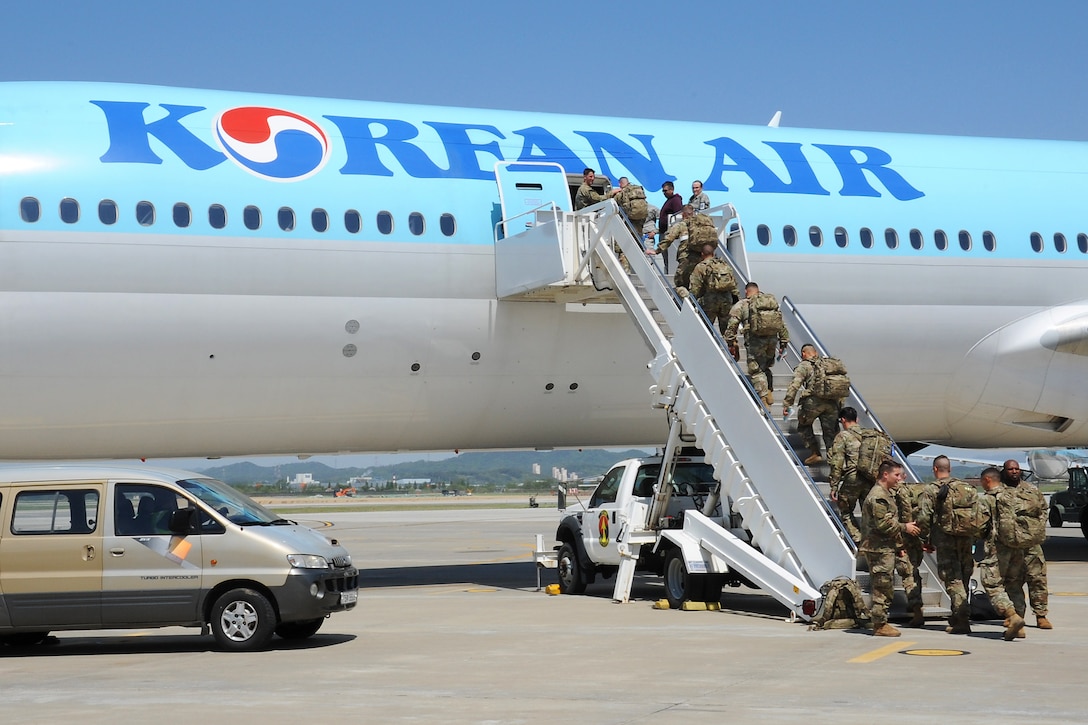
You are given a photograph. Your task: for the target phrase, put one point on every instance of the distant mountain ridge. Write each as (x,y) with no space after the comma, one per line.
(475,468)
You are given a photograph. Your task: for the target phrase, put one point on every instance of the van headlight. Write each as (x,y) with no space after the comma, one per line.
(307,561)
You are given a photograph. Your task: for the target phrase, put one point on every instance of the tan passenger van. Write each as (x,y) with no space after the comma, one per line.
(101,547)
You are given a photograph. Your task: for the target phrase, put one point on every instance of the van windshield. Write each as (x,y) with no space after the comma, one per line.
(234,506)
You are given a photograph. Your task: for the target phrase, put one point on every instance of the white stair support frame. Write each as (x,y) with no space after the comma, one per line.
(784,499)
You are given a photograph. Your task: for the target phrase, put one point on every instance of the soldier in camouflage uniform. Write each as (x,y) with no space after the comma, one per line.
(998,559)
(846,486)
(715,303)
(812,408)
(883,535)
(1034,561)
(761,349)
(908,562)
(955,561)
(626,197)
(693,231)
(587,195)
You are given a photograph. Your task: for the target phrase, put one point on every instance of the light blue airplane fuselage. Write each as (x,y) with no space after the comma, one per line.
(213,314)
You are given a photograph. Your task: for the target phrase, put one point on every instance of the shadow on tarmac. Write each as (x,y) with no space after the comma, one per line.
(127,644)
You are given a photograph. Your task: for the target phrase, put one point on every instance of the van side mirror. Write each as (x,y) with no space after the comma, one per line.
(182,521)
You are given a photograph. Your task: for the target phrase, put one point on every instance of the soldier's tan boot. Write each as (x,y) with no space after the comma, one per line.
(886,630)
(768,399)
(1014,627)
(814,459)
(1021,634)
(918,619)
(1044,623)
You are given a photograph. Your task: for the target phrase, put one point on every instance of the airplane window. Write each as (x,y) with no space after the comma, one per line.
(385,222)
(1060,244)
(353,221)
(217,216)
(815,236)
(251,217)
(989,241)
(183,215)
(891,238)
(866,237)
(319,218)
(30,209)
(416,224)
(841,238)
(916,240)
(763,234)
(107,211)
(1036,241)
(965,240)
(69,211)
(940,240)
(286,218)
(447,224)
(1082,243)
(789,236)
(145,213)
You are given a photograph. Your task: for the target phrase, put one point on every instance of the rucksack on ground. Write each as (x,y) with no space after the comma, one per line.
(842,606)
(764,316)
(830,380)
(959,511)
(876,447)
(1021,520)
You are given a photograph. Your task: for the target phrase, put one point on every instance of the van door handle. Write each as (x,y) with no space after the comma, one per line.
(117,551)
(88,553)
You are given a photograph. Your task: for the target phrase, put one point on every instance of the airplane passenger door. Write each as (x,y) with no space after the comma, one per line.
(528,185)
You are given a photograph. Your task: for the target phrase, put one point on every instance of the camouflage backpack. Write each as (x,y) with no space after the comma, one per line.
(1021,519)
(959,511)
(701,230)
(632,199)
(876,447)
(842,606)
(720,277)
(829,379)
(764,317)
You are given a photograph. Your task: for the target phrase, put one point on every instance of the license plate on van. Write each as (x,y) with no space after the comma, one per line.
(349,597)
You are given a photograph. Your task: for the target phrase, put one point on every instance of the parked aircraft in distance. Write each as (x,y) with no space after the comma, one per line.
(205,273)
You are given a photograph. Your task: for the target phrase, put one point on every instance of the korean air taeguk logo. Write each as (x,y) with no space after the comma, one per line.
(272,143)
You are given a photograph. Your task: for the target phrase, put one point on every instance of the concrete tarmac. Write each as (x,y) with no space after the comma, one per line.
(450,628)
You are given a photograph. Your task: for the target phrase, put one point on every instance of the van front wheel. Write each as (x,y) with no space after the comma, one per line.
(243,620)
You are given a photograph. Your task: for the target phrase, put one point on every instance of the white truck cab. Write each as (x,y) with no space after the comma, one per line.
(96,547)
(595,537)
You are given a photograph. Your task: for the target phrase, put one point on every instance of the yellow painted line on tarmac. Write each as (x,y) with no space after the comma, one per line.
(1069,594)
(481,590)
(935,652)
(882,652)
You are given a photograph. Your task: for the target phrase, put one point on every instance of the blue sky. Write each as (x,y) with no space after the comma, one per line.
(971,68)
(962,68)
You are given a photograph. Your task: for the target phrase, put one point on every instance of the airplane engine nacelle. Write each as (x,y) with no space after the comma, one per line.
(1027,378)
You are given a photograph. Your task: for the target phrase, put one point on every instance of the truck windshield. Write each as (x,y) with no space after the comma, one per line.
(236,507)
(691,477)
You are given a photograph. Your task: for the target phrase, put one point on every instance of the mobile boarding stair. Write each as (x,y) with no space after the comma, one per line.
(796,541)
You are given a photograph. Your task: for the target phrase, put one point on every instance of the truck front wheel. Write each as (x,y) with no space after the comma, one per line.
(571,578)
(1056,519)
(680,586)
